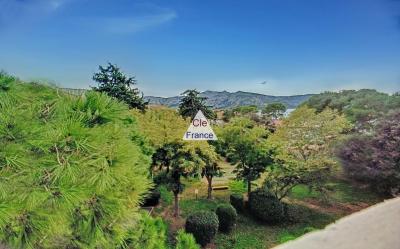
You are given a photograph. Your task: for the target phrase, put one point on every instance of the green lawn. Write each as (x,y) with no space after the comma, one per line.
(339,191)
(303,218)
(249,233)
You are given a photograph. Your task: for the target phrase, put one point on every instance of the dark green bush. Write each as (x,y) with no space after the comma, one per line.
(266,207)
(203,225)
(152,199)
(227,217)
(160,178)
(237,202)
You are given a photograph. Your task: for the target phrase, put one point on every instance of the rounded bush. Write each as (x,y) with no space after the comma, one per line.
(152,199)
(227,217)
(237,202)
(266,207)
(203,225)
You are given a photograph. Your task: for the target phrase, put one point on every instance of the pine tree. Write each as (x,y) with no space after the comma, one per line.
(115,84)
(72,173)
(191,103)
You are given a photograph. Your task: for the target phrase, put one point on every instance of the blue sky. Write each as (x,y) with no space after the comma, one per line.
(296,46)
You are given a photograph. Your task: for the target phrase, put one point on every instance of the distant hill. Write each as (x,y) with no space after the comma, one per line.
(223,99)
(226,99)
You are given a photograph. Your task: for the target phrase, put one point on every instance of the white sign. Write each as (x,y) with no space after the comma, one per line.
(199,129)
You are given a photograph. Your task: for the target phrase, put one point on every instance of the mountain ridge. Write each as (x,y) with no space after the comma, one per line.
(225,99)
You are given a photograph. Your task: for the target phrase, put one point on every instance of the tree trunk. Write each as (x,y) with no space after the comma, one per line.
(176,204)
(248,190)
(209,192)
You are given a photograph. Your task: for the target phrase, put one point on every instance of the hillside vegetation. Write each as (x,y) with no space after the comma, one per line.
(362,107)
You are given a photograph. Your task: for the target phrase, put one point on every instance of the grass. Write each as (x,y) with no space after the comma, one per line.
(302,192)
(193,205)
(346,193)
(340,191)
(237,187)
(249,233)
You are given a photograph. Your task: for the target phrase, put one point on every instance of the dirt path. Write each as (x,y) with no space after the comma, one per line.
(338,208)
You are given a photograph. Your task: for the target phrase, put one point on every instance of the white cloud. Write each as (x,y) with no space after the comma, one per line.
(129,25)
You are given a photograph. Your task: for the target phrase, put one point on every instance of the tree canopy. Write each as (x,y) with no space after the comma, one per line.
(245,144)
(274,110)
(72,173)
(173,157)
(361,107)
(116,84)
(191,103)
(304,144)
(375,159)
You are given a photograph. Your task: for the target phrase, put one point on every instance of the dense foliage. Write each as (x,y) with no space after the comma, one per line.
(149,233)
(361,107)
(304,145)
(161,125)
(237,202)
(274,110)
(203,225)
(227,217)
(185,241)
(71,171)
(114,83)
(172,157)
(245,144)
(191,103)
(266,207)
(375,159)
(248,111)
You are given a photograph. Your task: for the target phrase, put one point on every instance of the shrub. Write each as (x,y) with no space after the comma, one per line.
(375,160)
(160,178)
(185,241)
(237,202)
(166,195)
(266,207)
(70,173)
(152,199)
(150,233)
(227,217)
(203,225)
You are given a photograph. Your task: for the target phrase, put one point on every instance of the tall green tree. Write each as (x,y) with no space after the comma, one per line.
(247,147)
(304,150)
(274,110)
(72,175)
(191,103)
(116,84)
(179,162)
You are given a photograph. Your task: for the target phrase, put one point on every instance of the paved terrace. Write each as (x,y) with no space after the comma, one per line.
(377,227)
